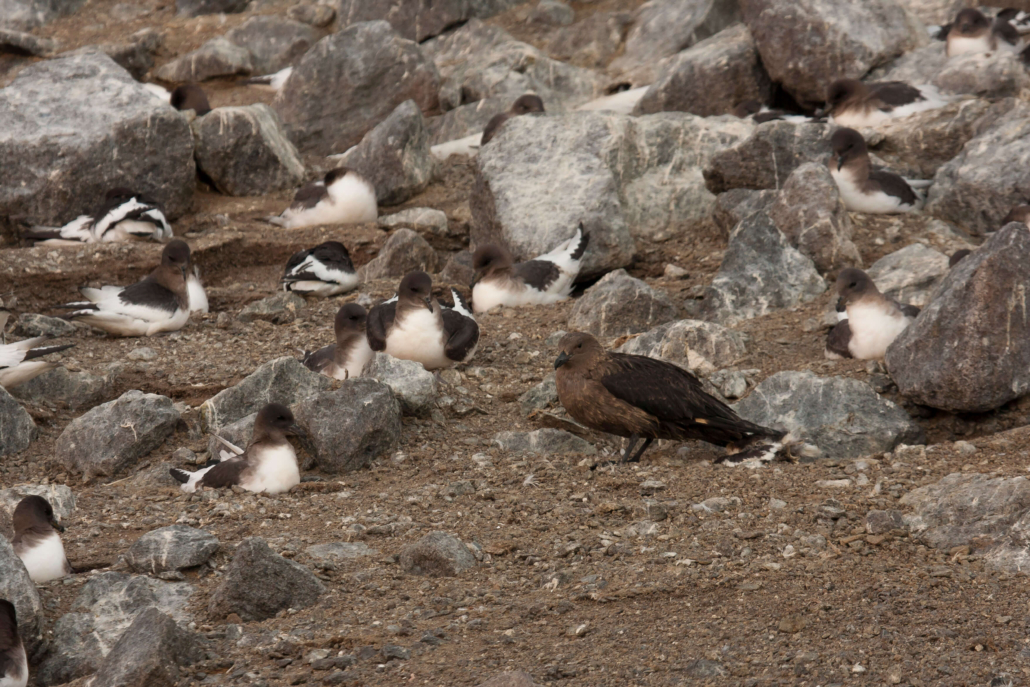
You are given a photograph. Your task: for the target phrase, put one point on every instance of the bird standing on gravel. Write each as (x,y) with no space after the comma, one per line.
(123,216)
(14,664)
(158,303)
(862,188)
(36,540)
(322,271)
(638,397)
(873,320)
(342,197)
(19,364)
(350,354)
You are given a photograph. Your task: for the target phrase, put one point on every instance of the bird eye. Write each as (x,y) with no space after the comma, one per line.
(853,284)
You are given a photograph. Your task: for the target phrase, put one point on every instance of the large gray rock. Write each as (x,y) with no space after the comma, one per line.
(543,441)
(418,20)
(312,15)
(701,347)
(279,308)
(711,78)
(115,435)
(909,275)
(150,653)
(17,587)
(969,350)
(989,75)
(760,272)
(195,8)
(811,214)
(283,380)
(978,188)
(79,126)
(767,157)
(25,15)
(590,43)
(17,430)
(60,387)
(733,206)
(405,251)
(394,156)
(350,81)
(413,385)
(135,54)
(218,57)
(32,324)
(619,304)
(60,497)
(20,43)
(274,43)
(915,66)
(352,426)
(841,40)
(245,151)
(259,583)
(171,548)
(843,417)
(438,554)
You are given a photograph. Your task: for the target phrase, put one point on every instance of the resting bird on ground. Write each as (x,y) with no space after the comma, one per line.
(854,104)
(350,354)
(14,665)
(36,540)
(643,398)
(124,215)
(325,270)
(862,188)
(342,197)
(19,364)
(974,32)
(525,104)
(873,320)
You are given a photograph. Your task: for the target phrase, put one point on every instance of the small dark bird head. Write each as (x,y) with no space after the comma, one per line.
(276,420)
(177,255)
(969,22)
(853,284)
(489,258)
(350,318)
(1018,213)
(190,96)
(847,144)
(578,351)
(842,90)
(331,252)
(36,513)
(416,286)
(8,619)
(747,108)
(526,104)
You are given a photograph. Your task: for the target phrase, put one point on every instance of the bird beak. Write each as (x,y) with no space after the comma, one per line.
(429,303)
(183,270)
(56,525)
(562,359)
(840,162)
(475,280)
(298,431)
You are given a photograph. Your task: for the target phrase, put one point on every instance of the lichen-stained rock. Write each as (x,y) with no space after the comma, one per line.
(969,350)
(619,304)
(418,20)
(438,554)
(701,347)
(274,43)
(350,81)
(17,430)
(217,57)
(909,275)
(806,44)
(259,583)
(767,157)
(76,127)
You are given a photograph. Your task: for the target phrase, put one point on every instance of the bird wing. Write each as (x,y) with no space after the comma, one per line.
(317,360)
(896,93)
(226,473)
(895,186)
(312,269)
(380,319)
(309,195)
(121,209)
(462,334)
(79,229)
(147,300)
(539,274)
(838,338)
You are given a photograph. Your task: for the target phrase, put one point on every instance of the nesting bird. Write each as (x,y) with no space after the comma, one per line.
(414,326)
(342,197)
(525,104)
(873,320)
(862,188)
(14,664)
(158,303)
(546,279)
(269,463)
(854,104)
(638,397)
(124,215)
(19,361)
(325,270)
(190,96)
(973,32)
(36,540)
(351,353)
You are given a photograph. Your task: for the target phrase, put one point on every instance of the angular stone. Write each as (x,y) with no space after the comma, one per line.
(25,15)
(283,380)
(259,583)
(72,123)
(150,653)
(245,151)
(733,206)
(238,433)
(17,430)
(137,54)
(31,324)
(701,347)
(60,387)
(273,42)
(412,384)
(195,8)
(517,678)
(884,521)
(217,57)
(544,442)
(352,426)
(423,220)
(171,548)
(551,13)
(909,275)
(767,157)
(340,550)
(404,252)
(438,554)
(619,304)
(394,156)
(590,43)
(539,397)
(348,82)
(280,308)
(113,436)
(969,350)
(20,43)
(418,20)
(17,587)
(989,75)
(312,15)
(60,497)
(458,269)
(843,417)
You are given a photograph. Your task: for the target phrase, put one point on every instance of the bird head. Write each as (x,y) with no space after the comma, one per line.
(576,349)
(417,286)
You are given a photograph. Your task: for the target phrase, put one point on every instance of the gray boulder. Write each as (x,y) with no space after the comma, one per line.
(312,15)
(171,548)
(427,221)
(733,206)
(539,397)
(701,347)
(619,304)
(31,324)
(62,388)
(350,81)
(17,430)
(760,272)
(279,308)
(988,75)
(404,252)
(74,126)
(25,15)
(150,653)
(60,497)
(843,417)
(351,427)
(458,269)
(218,57)
(543,441)
(909,275)
(418,20)
(20,43)
(195,8)
(413,385)
(812,216)
(113,436)
(245,151)
(136,54)
(17,587)
(438,554)
(283,380)
(259,583)
(915,66)
(394,156)
(711,78)
(842,40)
(969,350)
(274,43)
(551,13)
(592,42)
(767,157)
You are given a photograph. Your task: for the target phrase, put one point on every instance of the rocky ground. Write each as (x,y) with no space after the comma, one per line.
(862,561)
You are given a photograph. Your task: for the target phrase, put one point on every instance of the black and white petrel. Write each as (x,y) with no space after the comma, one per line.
(36,540)
(342,197)
(350,354)
(638,397)
(525,104)
(158,303)
(973,32)
(269,464)
(14,664)
(873,320)
(325,270)
(123,216)
(854,104)
(546,279)
(761,113)
(19,361)
(414,326)
(862,188)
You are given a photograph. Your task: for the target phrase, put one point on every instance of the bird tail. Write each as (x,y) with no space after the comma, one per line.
(46,350)
(760,449)
(180,476)
(276,220)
